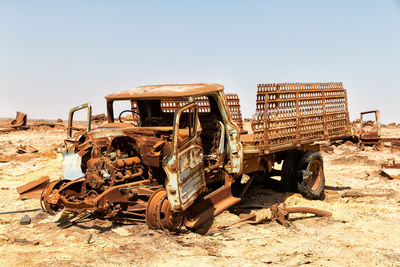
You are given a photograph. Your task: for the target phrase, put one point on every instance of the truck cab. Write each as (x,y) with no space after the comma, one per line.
(178,138)
(204,140)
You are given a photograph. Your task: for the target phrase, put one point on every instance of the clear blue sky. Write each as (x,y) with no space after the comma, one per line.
(57,54)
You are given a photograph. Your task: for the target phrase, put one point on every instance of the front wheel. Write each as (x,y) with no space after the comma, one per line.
(311,170)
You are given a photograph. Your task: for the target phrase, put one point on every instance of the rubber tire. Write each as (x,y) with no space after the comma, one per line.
(303,186)
(289,178)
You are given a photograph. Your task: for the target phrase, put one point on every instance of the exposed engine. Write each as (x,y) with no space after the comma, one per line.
(108,171)
(118,181)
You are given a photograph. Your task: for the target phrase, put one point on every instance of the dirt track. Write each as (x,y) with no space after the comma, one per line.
(362,231)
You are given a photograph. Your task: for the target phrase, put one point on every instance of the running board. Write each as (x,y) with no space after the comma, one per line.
(212,205)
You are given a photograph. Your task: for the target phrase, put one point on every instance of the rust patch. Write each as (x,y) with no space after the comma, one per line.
(20,120)
(166,91)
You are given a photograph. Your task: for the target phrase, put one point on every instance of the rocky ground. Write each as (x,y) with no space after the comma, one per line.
(362,231)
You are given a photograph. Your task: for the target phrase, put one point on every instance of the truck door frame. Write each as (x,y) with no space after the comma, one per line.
(185,166)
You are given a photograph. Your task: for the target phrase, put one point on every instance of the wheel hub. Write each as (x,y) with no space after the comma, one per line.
(159,214)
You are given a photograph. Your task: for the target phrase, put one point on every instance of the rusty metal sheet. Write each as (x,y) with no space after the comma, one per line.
(391,169)
(166,91)
(34,189)
(21,149)
(20,120)
(290,114)
(212,205)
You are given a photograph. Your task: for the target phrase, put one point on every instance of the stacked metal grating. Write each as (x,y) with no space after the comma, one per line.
(289,114)
(171,105)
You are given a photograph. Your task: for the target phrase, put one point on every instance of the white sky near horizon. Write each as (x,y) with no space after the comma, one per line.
(55,55)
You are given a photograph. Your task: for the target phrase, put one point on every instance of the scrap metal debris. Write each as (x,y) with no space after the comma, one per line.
(20,120)
(281,214)
(21,149)
(25,241)
(90,238)
(19,211)
(33,189)
(368,132)
(358,194)
(391,169)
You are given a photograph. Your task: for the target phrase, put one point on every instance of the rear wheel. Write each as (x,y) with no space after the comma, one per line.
(311,172)
(289,178)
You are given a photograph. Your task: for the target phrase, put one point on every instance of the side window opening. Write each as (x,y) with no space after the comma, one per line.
(187,126)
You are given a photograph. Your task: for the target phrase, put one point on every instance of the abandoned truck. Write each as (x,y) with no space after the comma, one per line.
(179,153)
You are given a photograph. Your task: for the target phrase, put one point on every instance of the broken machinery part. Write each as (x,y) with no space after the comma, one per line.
(281,214)
(26,149)
(20,120)
(34,189)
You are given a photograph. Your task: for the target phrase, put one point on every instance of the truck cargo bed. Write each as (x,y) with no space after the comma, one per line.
(292,114)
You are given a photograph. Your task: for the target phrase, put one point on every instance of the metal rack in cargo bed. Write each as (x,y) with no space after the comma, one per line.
(292,114)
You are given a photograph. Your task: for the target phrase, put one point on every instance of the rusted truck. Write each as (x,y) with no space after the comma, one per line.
(179,153)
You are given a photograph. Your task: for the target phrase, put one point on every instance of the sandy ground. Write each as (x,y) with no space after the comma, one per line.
(362,231)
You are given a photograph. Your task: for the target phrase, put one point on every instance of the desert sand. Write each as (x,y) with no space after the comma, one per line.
(362,231)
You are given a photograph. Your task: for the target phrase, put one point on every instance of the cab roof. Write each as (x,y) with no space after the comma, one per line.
(166,91)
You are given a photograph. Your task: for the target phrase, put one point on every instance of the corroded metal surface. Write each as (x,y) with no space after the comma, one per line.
(70,127)
(19,121)
(370,129)
(184,167)
(281,214)
(178,153)
(235,110)
(212,205)
(166,91)
(290,114)
(159,213)
(34,189)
